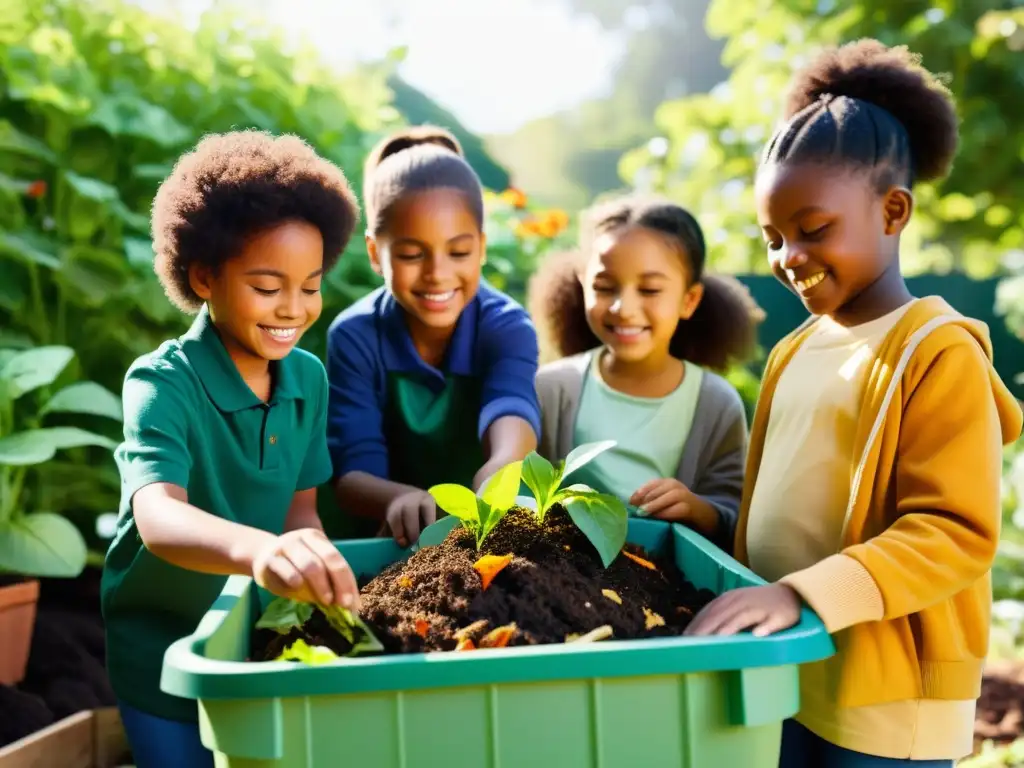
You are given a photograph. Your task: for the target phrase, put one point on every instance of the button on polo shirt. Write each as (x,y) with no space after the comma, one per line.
(191,420)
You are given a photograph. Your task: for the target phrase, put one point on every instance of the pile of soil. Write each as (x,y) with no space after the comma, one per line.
(555,587)
(1000,714)
(66,670)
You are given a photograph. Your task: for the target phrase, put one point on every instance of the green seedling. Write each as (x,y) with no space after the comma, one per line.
(602,518)
(284,614)
(480,514)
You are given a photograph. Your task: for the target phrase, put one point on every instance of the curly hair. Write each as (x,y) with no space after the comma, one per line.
(722,330)
(416,159)
(869,106)
(237,183)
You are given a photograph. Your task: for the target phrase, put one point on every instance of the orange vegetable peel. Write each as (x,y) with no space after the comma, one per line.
(490,566)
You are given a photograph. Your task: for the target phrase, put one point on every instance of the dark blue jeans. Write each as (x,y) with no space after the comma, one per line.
(159,743)
(803,749)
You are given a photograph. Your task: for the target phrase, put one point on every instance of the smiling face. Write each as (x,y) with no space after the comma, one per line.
(430,257)
(263,300)
(832,238)
(636,288)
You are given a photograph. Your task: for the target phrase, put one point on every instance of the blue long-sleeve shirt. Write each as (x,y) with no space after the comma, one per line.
(494,341)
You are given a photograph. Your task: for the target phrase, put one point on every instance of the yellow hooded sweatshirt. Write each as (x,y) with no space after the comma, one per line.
(907,596)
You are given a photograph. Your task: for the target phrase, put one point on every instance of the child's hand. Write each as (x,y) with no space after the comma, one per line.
(303,565)
(409,514)
(767,609)
(668,499)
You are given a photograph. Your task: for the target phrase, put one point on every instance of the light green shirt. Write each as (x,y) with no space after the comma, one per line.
(650,431)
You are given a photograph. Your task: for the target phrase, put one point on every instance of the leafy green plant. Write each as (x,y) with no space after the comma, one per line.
(284,614)
(481,513)
(602,518)
(42,542)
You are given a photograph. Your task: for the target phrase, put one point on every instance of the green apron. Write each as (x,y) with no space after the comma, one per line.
(432,436)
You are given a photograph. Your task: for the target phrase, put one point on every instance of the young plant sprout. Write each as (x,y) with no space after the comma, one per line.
(602,518)
(481,513)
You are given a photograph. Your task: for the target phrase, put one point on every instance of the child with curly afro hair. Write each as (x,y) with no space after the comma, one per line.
(432,375)
(224,427)
(643,328)
(873,483)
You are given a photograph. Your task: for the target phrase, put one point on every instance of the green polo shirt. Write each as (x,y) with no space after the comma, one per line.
(191,420)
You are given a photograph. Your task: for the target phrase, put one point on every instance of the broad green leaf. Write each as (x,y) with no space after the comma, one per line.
(22,248)
(313,655)
(542,479)
(15,142)
(125,114)
(41,544)
(457,501)
(603,519)
(92,275)
(583,454)
(489,517)
(85,397)
(503,486)
(34,368)
(93,189)
(348,624)
(139,251)
(35,446)
(282,614)
(15,287)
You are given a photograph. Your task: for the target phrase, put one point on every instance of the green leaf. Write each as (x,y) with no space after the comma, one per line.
(34,446)
(490,516)
(458,501)
(352,628)
(41,544)
(92,189)
(542,479)
(34,368)
(125,114)
(603,519)
(503,486)
(139,251)
(23,249)
(85,397)
(14,141)
(314,655)
(282,614)
(583,454)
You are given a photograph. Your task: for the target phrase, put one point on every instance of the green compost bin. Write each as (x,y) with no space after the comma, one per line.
(715,702)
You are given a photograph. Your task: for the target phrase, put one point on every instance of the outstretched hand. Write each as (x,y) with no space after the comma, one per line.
(304,565)
(765,610)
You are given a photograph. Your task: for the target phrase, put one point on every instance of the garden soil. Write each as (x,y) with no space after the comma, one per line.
(554,587)
(66,670)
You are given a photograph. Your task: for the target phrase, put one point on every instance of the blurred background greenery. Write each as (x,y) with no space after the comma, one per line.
(99,97)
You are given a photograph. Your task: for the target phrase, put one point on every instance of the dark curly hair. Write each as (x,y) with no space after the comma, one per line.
(237,183)
(872,107)
(723,329)
(416,159)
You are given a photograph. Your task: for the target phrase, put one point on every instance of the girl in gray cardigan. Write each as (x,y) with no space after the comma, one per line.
(641,329)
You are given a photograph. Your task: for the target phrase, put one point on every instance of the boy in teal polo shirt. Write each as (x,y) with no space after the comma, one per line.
(224,427)
(432,375)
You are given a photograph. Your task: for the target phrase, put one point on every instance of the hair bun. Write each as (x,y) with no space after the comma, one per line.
(412,136)
(893,79)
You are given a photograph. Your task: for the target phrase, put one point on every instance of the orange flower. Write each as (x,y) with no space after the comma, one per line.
(422,627)
(500,637)
(640,560)
(490,566)
(549,225)
(36,189)
(514,197)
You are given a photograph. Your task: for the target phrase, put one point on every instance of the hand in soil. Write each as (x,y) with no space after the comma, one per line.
(409,514)
(303,565)
(765,610)
(668,499)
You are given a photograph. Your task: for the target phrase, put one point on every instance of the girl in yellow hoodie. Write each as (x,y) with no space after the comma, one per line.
(872,489)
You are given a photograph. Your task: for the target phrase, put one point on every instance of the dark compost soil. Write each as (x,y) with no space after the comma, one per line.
(551,589)
(66,670)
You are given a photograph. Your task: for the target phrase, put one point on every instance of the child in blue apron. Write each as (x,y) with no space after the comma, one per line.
(432,375)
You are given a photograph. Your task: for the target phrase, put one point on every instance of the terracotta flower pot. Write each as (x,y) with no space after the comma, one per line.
(17,620)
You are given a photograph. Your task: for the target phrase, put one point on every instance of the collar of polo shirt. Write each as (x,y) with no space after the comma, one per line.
(219,375)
